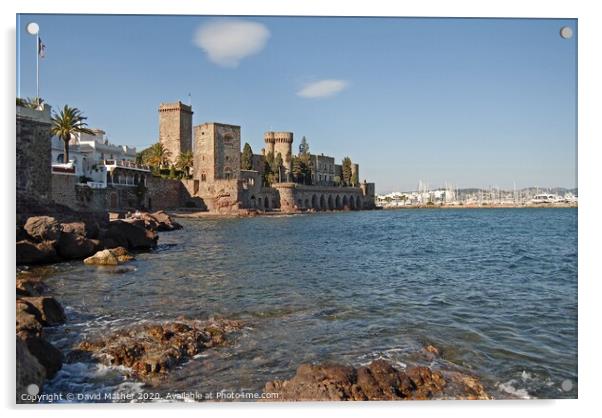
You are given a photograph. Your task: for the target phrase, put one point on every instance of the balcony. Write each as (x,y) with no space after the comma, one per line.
(112,164)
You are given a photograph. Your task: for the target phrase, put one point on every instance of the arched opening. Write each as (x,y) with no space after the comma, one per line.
(259,202)
(358,202)
(352,203)
(267,203)
(330,203)
(322,202)
(337,202)
(314,202)
(306,206)
(345,202)
(253,202)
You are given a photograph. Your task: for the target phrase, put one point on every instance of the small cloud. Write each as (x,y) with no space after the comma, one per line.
(322,88)
(228,42)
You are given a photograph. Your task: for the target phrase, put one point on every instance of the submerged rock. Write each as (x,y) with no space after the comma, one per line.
(152,350)
(111,257)
(30,286)
(131,234)
(380,380)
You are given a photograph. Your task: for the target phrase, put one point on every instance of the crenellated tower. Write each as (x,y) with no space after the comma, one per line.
(175,128)
(281,142)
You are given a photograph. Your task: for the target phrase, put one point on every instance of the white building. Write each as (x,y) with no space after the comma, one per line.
(96,161)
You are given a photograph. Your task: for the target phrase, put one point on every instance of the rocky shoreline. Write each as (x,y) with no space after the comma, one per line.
(67,236)
(150,351)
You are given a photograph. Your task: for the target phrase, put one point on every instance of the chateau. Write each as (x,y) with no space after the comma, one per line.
(219,184)
(104,177)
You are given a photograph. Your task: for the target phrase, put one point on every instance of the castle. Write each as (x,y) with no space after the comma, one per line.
(219,183)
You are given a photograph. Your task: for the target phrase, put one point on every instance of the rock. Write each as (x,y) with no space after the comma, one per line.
(112,257)
(46,354)
(380,380)
(29,370)
(72,246)
(32,253)
(152,350)
(132,234)
(28,318)
(30,286)
(49,311)
(165,222)
(43,228)
(88,229)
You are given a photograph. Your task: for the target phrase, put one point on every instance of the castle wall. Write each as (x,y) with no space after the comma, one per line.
(33,146)
(295,197)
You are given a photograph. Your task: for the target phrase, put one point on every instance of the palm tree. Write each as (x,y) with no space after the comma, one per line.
(185,161)
(66,124)
(158,155)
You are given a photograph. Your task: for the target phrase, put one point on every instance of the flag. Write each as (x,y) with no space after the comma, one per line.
(41,48)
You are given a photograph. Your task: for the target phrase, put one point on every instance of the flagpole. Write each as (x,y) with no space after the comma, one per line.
(38,67)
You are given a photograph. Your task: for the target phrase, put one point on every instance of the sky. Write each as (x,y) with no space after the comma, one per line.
(470,102)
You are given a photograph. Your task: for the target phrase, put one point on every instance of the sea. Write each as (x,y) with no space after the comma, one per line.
(494,290)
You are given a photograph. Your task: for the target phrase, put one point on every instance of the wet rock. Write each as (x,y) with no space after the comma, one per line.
(29,370)
(46,309)
(152,350)
(72,246)
(36,253)
(30,286)
(43,228)
(111,257)
(132,234)
(380,380)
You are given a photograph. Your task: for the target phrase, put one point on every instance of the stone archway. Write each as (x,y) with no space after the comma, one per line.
(358,202)
(306,204)
(352,202)
(267,203)
(330,203)
(337,202)
(259,203)
(322,202)
(314,202)
(345,202)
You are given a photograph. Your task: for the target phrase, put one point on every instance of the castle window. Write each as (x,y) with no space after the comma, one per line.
(203,177)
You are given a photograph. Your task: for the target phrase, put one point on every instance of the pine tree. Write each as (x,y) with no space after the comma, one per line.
(347,171)
(246,159)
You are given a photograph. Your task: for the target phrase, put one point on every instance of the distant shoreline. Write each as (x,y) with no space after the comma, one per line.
(214,215)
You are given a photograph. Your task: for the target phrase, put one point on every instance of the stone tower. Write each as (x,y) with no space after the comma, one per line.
(216,152)
(281,142)
(175,128)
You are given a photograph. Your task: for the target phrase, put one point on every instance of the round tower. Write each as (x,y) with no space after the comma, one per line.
(283,142)
(268,137)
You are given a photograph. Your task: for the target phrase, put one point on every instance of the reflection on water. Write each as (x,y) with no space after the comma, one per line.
(494,290)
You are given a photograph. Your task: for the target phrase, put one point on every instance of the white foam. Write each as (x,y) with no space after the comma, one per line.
(509,387)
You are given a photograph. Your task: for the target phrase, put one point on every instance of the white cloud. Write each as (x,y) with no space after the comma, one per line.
(228,42)
(322,88)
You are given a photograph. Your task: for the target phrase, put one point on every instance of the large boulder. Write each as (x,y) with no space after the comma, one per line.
(380,380)
(46,354)
(131,234)
(46,309)
(29,371)
(152,350)
(110,257)
(43,228)
(27,318)
(36,253)
(72,246)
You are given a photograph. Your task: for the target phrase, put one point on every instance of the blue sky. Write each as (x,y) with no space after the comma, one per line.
(474,102)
